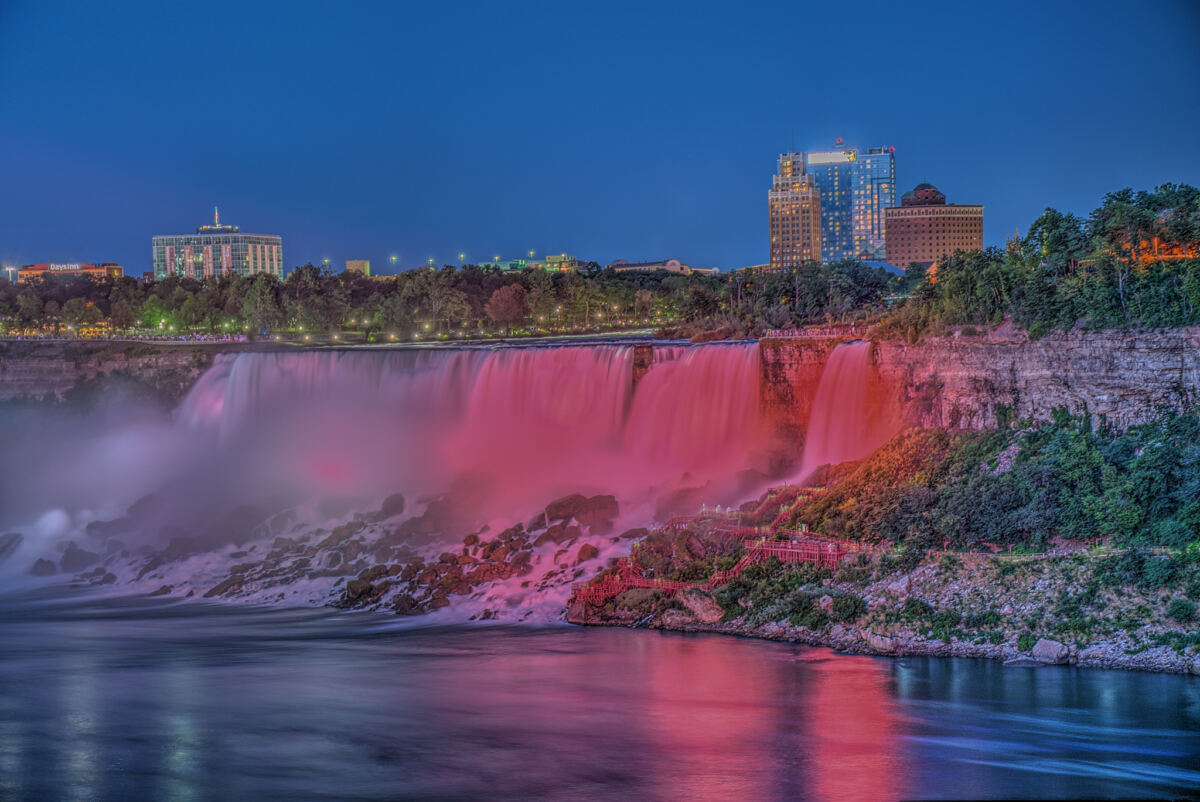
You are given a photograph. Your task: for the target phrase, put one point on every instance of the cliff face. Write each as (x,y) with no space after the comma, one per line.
(791,371)
(968,382)
(35,370)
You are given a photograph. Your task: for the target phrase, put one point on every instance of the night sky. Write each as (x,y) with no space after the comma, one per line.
(607,130)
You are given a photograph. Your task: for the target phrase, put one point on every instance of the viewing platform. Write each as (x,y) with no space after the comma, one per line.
(824,333)
(760,544)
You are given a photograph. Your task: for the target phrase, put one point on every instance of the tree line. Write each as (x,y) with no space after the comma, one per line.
(1133,263)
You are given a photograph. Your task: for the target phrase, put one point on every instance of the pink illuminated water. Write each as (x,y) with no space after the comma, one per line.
(518,425)
(845,425)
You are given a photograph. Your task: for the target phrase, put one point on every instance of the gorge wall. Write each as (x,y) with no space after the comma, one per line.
(966,381)
(38,370)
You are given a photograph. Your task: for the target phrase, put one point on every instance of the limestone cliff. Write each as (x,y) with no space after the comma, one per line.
(32,369)
(971,381)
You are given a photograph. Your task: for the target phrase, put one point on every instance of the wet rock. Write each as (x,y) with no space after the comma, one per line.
(227,586)
(162,590)
(43,568)
(587,552)
(284,544)
(404,604)
(880,643)
(75,559)
(558,533)
(9,543)
(373,573)
(358,588)
(538,522)
(341,534)
(470,540)
(675,619)
(1050,651)
(392,505)
(108,579)
(488,572)
(634,534)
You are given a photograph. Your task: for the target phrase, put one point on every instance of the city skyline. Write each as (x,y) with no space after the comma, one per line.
(379,133)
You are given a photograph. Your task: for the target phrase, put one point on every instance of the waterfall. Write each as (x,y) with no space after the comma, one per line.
(845,425)
(523,423)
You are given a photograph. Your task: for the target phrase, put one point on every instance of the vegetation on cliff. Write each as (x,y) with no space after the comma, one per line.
(1133,263)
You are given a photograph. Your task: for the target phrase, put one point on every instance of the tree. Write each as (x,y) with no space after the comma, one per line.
(122,317)
(508,305)
(261,309)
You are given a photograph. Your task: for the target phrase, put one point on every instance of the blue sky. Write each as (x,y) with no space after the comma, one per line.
(607,130)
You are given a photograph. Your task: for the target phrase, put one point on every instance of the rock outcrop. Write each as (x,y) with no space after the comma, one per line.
(974,382)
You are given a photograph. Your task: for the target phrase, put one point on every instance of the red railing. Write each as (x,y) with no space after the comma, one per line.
(823,551)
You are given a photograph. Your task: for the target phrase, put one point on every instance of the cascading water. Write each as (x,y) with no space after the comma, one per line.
(529,421)
(845,425)
(271,451)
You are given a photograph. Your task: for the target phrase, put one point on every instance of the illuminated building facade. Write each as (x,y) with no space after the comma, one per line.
(360,266)
(69,270)
(669,265)
(217,250)
(924,228)
(834,173)
(874,189)
(794,214)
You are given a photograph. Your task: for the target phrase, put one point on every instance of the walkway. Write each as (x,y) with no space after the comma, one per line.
(797,547)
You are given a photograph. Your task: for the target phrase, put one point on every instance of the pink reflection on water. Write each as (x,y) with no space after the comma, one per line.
(668,716)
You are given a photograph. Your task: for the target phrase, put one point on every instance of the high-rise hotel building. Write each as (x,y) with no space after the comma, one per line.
(874,190)
(855,187)
(794,204)
(924,228)
(834,173)
(217,250)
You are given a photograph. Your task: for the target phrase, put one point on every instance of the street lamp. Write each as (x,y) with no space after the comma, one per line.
(462,257)
(10,270)
(431,262)
(393,263)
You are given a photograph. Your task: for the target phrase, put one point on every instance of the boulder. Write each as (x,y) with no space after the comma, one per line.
(1050,651)
(471,540)
(43,568)
(9,543)
(880,643)
(357,588)
(702,606)
(392,505)
(596,512)
(75,559)
(587,552)
(825,603)
(163,590)
(229,585)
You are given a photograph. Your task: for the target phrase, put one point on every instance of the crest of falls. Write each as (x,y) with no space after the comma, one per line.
(521,423)
(847,422)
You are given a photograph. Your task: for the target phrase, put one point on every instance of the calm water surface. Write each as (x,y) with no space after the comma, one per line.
(182,701)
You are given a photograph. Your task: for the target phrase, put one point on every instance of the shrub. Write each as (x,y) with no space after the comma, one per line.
(946,619)
(848,608)
(1181,610)
(988,618)
(916,609)
(1025,642)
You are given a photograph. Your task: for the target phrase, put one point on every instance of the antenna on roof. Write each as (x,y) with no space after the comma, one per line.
(216,217)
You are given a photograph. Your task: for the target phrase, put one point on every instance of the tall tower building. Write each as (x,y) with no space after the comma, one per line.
(794,205)
(834,173)
(874,190)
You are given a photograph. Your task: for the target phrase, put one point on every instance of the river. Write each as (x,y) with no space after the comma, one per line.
(124,698)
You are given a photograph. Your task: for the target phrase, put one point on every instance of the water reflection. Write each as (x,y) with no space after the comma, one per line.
(181,702)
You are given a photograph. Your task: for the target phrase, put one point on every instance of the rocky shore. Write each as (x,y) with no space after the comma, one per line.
(1026,610)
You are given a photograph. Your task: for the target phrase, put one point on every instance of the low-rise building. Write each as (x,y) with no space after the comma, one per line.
(670,265)
(360,266)
(69,270)
(924,228)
